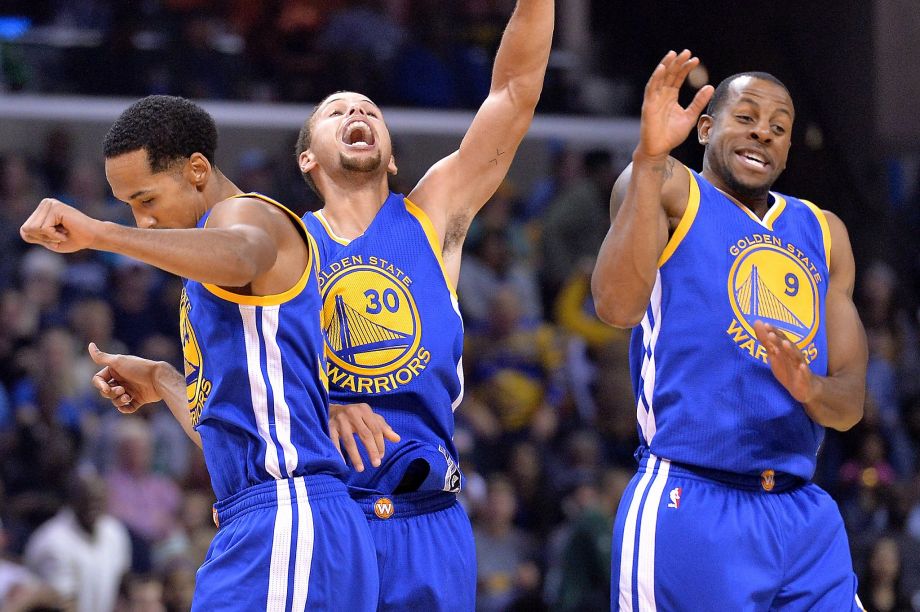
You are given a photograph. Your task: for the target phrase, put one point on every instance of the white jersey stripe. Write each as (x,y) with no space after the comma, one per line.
(257,390)
(627,555)
(275,371)
(281,551)
(648,370)
(648,527)
(305,538)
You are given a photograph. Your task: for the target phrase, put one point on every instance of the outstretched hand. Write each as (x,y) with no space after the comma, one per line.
(665,123)
(345,421)
(787,362)
(59,227)
(127,381)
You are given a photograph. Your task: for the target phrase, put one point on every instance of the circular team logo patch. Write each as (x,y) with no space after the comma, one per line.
(371,321)
(769,284)
(383,508)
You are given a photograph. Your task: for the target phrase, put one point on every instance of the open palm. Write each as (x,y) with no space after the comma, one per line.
(665,123)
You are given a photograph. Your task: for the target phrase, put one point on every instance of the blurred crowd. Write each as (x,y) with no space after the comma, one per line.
(113,512)
(400,52)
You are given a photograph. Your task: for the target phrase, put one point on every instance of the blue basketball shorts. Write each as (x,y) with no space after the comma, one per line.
(289,545)
(693,539)
(425,551)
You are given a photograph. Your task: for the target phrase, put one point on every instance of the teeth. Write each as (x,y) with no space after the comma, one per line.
(364,136)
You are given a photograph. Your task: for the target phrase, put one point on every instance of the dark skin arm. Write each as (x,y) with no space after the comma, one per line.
(835,400)
(649,198)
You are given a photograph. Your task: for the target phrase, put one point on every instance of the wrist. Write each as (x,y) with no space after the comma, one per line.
(103,234)
(165,377)
(642,158)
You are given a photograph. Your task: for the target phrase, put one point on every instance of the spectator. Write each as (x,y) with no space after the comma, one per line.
(577,220)
(82,552)
(506,556)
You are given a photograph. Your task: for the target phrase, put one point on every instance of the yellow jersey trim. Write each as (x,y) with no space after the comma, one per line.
(278,298)
(693,207)
(773,213)
(779,205)
(433,240)
(825,231)
(319,215)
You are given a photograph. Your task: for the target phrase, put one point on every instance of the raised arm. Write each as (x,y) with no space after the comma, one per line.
(455,188)
(240,247)
(649,197)
(835,400)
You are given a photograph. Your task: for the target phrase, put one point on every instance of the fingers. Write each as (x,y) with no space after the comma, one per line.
(40,227)
(100,357)
(351,448)
(678,68)
(389,434)
(369,439)
(700,100)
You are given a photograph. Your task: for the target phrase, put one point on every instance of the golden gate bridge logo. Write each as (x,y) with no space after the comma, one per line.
(769,284)
(370,320)
(349,334)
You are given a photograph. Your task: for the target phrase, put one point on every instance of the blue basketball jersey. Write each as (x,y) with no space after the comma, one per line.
(705,393)
(255,380)
(394,339)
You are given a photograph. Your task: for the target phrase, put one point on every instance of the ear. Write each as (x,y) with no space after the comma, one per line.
(704,128)
(198,170)
(391,167)
(306,161)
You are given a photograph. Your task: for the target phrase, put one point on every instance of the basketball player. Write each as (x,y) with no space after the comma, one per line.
(389,268)
(747,345)
(289,538)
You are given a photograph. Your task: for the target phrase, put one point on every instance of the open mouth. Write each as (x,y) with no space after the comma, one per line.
(358,135)
(753,159)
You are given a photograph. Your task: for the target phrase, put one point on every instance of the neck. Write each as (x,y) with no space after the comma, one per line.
(350,208)
(757,200)
(218,189)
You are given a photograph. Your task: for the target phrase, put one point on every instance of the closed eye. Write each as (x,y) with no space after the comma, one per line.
(744,118)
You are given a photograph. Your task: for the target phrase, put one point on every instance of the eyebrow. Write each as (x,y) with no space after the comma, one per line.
(328,102)
(137,194)
(757,104)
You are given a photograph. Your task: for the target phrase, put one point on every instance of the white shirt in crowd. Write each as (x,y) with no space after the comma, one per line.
(82,567)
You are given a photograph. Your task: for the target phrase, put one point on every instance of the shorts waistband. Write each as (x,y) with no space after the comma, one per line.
(768,481)
(277,492)
(404,505)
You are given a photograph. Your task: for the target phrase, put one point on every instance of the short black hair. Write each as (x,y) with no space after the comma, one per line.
(168,128)
(721,93)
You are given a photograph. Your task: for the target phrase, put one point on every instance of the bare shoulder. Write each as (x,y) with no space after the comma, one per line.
(247,211)
(675,190)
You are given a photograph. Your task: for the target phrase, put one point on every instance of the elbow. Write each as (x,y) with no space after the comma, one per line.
(614,312)
(617,317)
(241,272)
(854,416)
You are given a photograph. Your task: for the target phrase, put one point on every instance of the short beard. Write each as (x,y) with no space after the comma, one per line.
(744,191)
(361,164)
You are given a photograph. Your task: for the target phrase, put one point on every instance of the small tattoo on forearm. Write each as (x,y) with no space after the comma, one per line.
(498,153)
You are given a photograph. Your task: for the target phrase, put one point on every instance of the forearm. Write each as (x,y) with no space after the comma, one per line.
(222,257)
(838,401)
(523,54)
(170,385)
(627,264)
